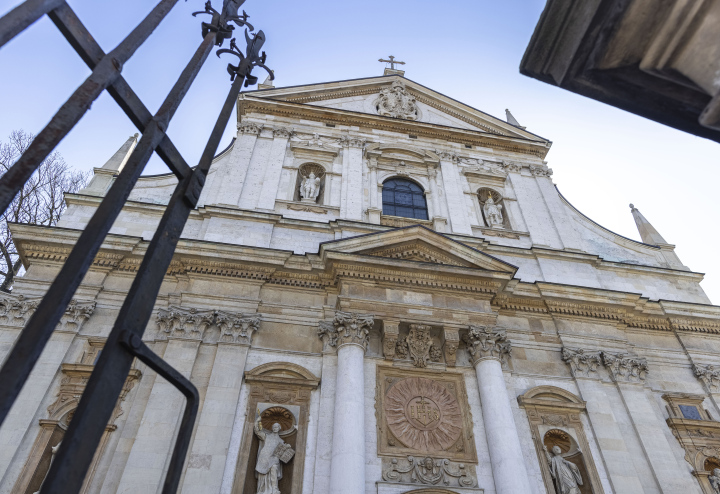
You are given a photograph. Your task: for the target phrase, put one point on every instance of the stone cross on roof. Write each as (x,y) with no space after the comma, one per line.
(392,62)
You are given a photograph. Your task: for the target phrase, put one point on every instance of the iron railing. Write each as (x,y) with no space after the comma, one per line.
(68,470)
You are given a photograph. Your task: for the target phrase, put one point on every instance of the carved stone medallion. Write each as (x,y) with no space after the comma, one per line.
(422,414)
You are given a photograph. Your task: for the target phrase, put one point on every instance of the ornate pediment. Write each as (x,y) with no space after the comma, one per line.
(421,245)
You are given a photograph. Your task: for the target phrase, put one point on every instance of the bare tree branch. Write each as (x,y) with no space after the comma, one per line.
(41,201)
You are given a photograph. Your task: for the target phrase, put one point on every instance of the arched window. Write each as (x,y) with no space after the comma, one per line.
(404,198)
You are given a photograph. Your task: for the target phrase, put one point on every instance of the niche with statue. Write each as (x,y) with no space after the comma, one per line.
(492,209)
(310,184)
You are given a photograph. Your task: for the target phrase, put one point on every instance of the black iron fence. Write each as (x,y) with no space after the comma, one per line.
(124,343)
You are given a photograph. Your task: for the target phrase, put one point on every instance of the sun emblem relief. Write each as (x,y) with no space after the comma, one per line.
(396,102)
(423,415)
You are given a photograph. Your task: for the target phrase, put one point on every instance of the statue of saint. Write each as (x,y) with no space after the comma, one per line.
(715,480)
(53,452)
(492,213)
(310,187)
(271,452)
(567,475)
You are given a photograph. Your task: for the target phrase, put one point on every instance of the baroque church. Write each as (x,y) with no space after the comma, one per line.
(381,291)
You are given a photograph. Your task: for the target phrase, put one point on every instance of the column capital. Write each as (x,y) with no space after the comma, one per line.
(447,156)
(709,374)
(347,328)
(353,142)
(283,132)
(249,128)
(488,342)
(582,363)
(625,367)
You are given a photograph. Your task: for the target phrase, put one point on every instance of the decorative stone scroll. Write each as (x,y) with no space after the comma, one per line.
(192,323)
(422,413)
(582,363)
(624,367)
(346,328)
(396,102)
(709,374)
(486,342)
(16,311)
(428,471)
(418,344)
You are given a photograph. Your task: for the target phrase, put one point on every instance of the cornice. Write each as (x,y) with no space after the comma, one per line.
(249,104)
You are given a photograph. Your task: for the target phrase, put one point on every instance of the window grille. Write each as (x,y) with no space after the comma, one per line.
(124,343)
(404,198)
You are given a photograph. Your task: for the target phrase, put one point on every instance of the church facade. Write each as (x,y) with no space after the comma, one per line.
(380,292)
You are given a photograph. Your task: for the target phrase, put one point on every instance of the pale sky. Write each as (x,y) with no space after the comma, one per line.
(470,50)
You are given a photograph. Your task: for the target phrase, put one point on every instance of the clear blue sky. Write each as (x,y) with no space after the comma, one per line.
(603,158)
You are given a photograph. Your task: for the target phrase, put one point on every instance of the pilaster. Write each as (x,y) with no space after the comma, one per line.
(459,219)
(230,177)
(273,169)
(352,179)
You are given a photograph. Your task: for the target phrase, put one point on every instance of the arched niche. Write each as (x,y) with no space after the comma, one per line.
(279,392)
(483,193)
(554,416)
(320,173)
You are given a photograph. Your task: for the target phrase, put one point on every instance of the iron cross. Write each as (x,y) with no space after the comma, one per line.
(392,62)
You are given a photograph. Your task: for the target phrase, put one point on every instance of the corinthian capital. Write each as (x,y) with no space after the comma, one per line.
(283,132)
(249,128)
(347,328)
(581,362)
(709,374)
(447,156)
(487,342)
(624,367)
(354,142)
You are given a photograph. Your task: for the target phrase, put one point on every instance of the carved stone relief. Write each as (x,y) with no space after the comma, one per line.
(391,332)
(418,345)
(452,342)
(249,128)
(582,363)
(428,471)
(709,374)
(346,328)
(423,413)
(485,342)
(16,311)
(396,102)
(624,367)
(191,323)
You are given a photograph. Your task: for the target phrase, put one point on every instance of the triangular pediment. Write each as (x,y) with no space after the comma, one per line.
(417,103)
(418,244)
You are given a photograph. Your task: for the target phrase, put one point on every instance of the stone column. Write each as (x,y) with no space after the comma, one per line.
(488,347)
(457,210)
(273,169)
(629,372)
(231,177)
(349,334)
(209,450)
(352,188)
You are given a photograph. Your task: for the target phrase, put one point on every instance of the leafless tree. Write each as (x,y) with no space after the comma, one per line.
(40,202)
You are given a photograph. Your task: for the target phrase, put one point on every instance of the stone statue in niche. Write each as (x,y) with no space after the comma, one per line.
(310,188)
(493,215)
(273,451)
(715,480)
(566,474)
(53,452)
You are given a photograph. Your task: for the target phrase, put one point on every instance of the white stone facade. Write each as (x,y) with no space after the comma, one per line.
(538,327)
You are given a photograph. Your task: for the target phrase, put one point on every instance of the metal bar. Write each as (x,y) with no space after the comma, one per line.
(70,113)
(96,405)
(91,53)
(23,16)
(24,354)
(135,346)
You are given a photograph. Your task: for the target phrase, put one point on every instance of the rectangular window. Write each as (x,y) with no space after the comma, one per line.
(690,412)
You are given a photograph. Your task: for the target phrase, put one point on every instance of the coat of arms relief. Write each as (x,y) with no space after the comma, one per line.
(396,102)
(424,428)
